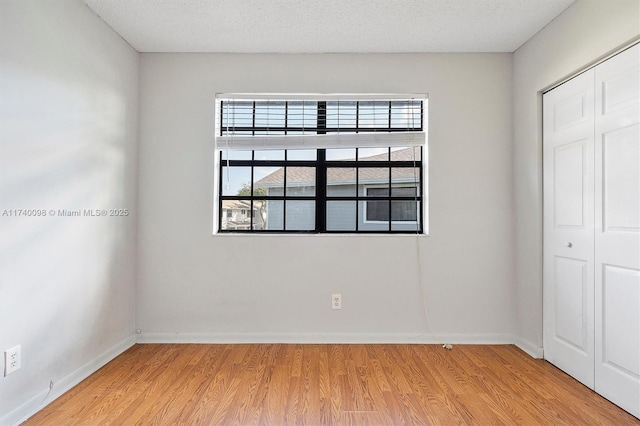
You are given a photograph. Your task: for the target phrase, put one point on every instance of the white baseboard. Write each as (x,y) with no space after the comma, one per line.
(43,398)
(530,348)
(324,338)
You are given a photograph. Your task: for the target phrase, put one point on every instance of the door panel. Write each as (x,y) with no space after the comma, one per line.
(568,227)
(570,280)
(617,229)
(620,177)
(571,111)
(621,330)
(568,180)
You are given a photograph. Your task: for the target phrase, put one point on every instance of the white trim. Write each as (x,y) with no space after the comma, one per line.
(340,140)
(327,338)
(64,384)
(529,348)
(322,96)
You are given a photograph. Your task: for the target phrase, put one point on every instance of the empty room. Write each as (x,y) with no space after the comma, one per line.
(320,212)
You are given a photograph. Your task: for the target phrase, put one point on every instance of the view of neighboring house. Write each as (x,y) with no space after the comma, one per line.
(346,215)
(237,214)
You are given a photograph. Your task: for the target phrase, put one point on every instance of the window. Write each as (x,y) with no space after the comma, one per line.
(332,164)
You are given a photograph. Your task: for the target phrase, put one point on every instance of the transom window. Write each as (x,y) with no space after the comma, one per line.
(333,164)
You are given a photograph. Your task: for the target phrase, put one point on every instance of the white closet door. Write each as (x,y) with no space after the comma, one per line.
(568,261)
(617,229)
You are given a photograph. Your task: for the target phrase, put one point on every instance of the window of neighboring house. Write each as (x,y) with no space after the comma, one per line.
(336,164)
(399,211)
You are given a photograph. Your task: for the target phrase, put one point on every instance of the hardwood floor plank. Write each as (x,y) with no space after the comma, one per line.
(278,384)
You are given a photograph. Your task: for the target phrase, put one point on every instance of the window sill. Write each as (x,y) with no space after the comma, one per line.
(313,235)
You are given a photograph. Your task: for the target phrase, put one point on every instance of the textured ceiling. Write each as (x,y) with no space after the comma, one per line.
(319,26)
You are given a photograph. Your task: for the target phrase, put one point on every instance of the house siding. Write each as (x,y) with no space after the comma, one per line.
(341,215)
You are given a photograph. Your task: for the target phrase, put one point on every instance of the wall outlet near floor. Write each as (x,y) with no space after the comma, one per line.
(336,301)
(12,361)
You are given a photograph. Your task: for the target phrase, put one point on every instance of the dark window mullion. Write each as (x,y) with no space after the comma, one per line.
(253,119)
(220,192)
(284,200)
(284,169)
(251,200)
(357,192)
(321,172)
(390,193)
(222,118)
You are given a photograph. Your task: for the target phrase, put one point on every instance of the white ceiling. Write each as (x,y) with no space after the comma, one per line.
(320,26)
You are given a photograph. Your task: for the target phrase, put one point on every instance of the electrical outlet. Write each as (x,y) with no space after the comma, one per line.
(12,361)
(336,301)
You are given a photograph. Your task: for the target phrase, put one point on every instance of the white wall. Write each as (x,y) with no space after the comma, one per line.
(193,286)
(68,140)
(584,33)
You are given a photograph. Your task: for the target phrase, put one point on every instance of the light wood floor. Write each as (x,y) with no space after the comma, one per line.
(279,384)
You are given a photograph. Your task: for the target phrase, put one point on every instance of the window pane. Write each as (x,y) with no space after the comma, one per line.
(235,155)
(341,114)
(341,215)
(377,192)
(270,114)
(373,154)
(269,154)
(370,175)
(406,114)
(301,181)
(236,215)
(274,215)
(409,225)
(235,179)
(406,154)
(403,211)
(405,177)
(341,182)
(336,154)
(403,191)
(373,114)
(377,211)
(236,114)
(268,181)
(300,215)
(302,114)
(302,154)
(259,215)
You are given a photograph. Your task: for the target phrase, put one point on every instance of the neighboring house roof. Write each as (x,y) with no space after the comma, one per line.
(236,205)
(340,176)
(240,205)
